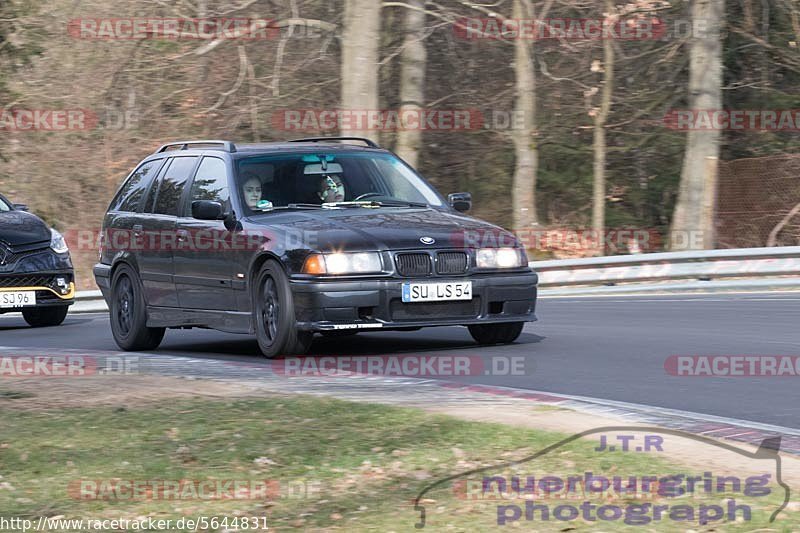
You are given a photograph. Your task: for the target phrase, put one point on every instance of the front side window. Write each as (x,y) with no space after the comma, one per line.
(266,182)
(4,206)
(210,183)
(131,193)
(172,185)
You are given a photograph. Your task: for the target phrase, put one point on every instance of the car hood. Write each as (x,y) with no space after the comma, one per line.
(18,228)
(357,229)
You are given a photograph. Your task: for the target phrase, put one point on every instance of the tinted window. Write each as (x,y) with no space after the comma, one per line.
(130,195)
(210,183)
(172,185)
(329,178)
(151,195)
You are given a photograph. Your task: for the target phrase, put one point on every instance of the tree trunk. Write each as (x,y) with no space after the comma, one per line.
(599,144)
(702,147)
(412,80)
(360,50)
(524,131)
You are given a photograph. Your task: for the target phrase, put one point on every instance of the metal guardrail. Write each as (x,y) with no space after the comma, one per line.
(670,266)
(756,264)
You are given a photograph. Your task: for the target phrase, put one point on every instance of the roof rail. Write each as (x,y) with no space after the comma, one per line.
(366,141)
(225,146)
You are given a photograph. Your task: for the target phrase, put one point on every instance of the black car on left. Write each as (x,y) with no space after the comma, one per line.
(36,273)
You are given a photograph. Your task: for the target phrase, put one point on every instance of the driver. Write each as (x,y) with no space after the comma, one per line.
(331,189)
(251,190)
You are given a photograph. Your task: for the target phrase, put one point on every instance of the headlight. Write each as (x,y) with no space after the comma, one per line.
(358,263)
(57,242)
(501,258)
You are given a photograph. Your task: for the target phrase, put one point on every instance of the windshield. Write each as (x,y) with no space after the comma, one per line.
(324,179)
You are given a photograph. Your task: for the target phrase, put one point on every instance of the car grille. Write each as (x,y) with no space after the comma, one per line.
(413,264)
(451,263)
(25,281)
(439,310)
(8,257)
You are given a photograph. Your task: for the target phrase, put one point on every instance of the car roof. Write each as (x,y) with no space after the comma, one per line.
(284,147)
(310,145)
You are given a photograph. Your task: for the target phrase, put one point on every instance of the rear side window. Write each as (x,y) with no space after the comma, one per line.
(173,183)
(131,193)
(210,183)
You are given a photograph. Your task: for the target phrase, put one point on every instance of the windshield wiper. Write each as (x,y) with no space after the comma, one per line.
(290,206)
(375,203)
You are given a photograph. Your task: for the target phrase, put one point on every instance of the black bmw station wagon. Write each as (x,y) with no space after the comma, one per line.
(286,240)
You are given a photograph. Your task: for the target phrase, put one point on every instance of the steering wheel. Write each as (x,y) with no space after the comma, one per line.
(367,195)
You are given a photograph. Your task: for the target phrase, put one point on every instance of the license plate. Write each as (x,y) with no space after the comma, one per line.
(10,300)
(437,292)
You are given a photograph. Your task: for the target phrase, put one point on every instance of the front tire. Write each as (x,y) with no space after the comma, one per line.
(496,333)
(45,317)
(128,313)
(276,325)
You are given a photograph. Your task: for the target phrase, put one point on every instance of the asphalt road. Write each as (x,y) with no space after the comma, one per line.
(603,347)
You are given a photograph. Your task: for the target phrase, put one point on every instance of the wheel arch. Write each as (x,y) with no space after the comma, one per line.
(255,267)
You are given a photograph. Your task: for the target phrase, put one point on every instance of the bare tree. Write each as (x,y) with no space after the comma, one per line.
(412,80)
(527,153)
(599,144)
(702,147)
(360,55)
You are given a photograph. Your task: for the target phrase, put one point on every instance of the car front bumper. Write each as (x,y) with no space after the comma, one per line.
(377,304)
(38,270)
(48,294)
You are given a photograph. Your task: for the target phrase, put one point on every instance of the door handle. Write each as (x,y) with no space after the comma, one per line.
(183,235)
(137,229)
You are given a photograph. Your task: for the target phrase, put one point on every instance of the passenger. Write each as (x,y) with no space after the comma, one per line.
(331,189)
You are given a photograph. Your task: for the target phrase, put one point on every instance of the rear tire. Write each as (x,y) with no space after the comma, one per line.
(45,317)
(276,325)
(496,333)
(128,313)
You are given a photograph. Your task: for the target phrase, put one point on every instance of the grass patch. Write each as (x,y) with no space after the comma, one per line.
(339,465)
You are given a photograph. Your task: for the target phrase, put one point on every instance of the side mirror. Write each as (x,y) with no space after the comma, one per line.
(20,207)
(207,210)
(460,201)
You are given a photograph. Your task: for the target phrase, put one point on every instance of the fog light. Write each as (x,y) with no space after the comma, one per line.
(63,285)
